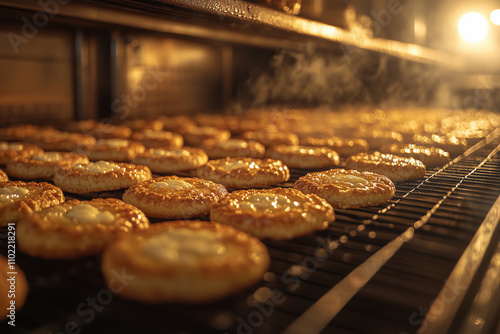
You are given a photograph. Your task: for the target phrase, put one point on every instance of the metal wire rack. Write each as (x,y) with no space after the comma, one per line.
(374,270)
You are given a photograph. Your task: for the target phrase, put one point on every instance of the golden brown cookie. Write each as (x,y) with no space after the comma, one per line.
(278,213)
(59,140)
(13,289)
(347,188)
(304,156)
(18,198)
(3,176)
(12,151)
(343,146)
(77,228)
(164,161)
(394,167)
(173,197)
(163,139)
(185,261)
(430,156)
(43,165)
(272,137)
(100,176)
(197,136)
(243,173)
(100,130)
(117,150)
(234,148)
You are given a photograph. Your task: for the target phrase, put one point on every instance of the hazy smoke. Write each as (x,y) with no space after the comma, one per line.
(315,77)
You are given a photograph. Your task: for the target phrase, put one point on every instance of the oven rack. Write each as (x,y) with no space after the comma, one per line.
(303,270)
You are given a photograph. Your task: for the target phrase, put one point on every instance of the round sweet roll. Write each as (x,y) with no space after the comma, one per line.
(13,151)
(3,176)
(304,156)
(164,161)
(78,228)
(394,167)
(430,156)
(53,140)
(173,197)
(272,137)
(9,277)
(117,150)
(234,148)
(199,135)
(347,188)
(43,165)
(100,176)
(186,261)
(100,130)
(279,213)
(343,146)
(162,139)
(18,198)
(243,173)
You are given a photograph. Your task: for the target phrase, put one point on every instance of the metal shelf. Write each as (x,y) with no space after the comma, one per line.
(233,21)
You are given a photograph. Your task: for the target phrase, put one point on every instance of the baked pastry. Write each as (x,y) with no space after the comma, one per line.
(198,135)
(43,165)
(185,261)
(117,150)
(245,172)
(228,122)
(378,138)
(347,188)
(164,161)
(139,125)
(3,176)
(13,299)
(12,151)
(177,123)
(21,131)
(100,130)
(394,167)
(163,139)
(272,137)
(304,156)
(18,198)
(278,213)
(430,156)
(100,176)
(453,145)
(234,148)
(343,146)
(53,140)
(77,228)
(173,197)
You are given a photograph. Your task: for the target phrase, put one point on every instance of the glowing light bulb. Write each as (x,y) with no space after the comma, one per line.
(495,17)
(473,27)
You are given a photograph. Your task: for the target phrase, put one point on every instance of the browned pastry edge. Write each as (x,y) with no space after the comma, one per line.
(310,213)
(208,279)
(40,235)
(175,204)
(41,195)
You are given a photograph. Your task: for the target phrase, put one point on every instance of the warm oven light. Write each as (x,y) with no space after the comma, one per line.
(473,27)
(495,17)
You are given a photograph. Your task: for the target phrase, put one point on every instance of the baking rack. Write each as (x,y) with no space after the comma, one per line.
(374,270)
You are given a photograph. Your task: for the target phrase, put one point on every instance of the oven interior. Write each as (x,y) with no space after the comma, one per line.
(427,261)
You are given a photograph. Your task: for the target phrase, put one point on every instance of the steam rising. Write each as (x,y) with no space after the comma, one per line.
(314,78)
